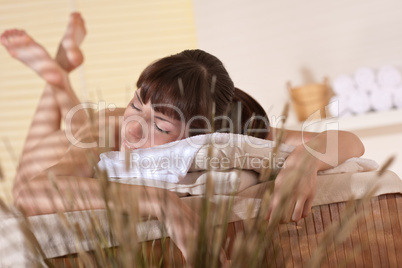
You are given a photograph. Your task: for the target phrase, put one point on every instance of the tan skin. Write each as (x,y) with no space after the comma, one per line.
(34,192)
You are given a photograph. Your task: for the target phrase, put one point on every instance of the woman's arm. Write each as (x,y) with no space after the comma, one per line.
(319,151)
(292,137)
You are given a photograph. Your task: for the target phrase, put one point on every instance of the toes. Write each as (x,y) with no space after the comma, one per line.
(13,33)
(20,32)
(4,40)
(75,16)
(7,36)
(6,33)
(13,36)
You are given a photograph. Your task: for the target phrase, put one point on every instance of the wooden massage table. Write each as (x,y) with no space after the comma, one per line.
(375,240)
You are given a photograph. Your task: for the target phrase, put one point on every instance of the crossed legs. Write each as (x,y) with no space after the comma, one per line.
(46,143)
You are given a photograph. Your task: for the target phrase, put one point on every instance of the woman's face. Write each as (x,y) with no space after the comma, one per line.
(143,127)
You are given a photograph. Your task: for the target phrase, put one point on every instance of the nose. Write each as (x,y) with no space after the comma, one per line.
(134,131)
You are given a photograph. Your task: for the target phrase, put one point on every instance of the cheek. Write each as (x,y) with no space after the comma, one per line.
(160,138)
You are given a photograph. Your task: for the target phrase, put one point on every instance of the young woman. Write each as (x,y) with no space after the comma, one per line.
(173,101)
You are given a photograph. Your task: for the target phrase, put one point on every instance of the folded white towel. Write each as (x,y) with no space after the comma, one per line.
(171,162)
(167,162)
(343,85)
(389,76)
(381,100)
(356,164)
(364,77)
(359,103)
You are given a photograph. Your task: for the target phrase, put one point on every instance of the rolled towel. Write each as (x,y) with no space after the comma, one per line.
(364,77)
(368,88)
(390,89)
(381,100)
(338,106)
(359,103)
(389,76)
(397,97)
(343,85)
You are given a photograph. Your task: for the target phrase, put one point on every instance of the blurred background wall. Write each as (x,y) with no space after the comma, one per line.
(263,44)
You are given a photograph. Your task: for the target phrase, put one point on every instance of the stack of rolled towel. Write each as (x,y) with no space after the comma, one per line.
(366,91)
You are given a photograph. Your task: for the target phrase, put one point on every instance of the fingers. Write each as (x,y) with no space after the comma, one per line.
(280,209)
(291,199)
(302,209)
(307,207)
(298,210)
(224,261)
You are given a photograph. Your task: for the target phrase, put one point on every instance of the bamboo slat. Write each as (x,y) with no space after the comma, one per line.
(374,241)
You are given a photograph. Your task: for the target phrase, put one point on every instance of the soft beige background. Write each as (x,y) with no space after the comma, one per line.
(266,43)
(123,37)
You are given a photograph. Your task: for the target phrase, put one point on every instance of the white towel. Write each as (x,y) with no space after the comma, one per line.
(389,89)
(389,76)
(359,103)
(338,106)
(364,77)
(343,85)
(14,247)
(397,97)
(347,113)
(356,164)
(368,88)
(381,100)
(171,162)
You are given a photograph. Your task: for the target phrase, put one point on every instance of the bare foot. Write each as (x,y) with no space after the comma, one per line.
(69,55)
(22,47)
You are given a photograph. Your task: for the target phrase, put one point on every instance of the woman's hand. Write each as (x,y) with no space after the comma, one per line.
(295,186)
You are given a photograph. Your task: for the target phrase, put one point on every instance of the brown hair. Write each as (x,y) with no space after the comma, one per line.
(191,81)
(248,116)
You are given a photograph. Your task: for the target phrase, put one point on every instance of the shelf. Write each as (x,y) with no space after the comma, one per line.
(370,120)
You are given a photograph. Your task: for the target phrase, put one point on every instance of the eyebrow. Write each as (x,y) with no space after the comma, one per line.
(163,119)
(138,97)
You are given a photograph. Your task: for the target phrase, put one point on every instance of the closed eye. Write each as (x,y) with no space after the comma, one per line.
(161,130)
(135,107)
